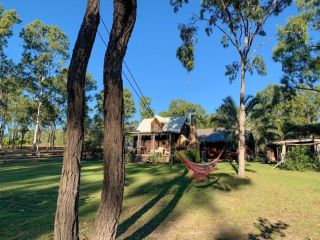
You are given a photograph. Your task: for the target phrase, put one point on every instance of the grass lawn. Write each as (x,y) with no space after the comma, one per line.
(162,203)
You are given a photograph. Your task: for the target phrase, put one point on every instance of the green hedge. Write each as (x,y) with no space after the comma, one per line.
(301,158)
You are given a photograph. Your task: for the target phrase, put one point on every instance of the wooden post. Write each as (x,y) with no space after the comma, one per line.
(170,144)
(153,139)
(283,152)
(139,145)
(317,150)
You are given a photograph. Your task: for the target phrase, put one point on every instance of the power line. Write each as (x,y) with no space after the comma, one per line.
(141,98)
(128,69)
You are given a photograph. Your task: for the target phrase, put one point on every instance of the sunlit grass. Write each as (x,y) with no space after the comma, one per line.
(162,203)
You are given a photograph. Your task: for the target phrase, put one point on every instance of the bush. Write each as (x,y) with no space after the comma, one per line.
(300,158)
(157,158)
(192,155)
(92,150)
(130,157)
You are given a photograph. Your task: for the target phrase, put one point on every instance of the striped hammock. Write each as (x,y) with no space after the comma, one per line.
(200,171)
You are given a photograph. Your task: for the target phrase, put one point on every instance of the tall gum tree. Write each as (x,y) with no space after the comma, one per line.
(45,49)
(241,23)
(66,219)
(8,84)
(107,219)
(298,48)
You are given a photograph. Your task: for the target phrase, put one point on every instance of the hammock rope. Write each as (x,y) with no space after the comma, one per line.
(200,171)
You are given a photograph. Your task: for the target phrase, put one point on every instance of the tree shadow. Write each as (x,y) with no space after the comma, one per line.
(152,224)
(219,181)
(222,181)
(235,167)
(181,181)
(267,229)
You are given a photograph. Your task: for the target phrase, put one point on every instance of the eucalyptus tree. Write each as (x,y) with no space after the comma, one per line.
(45,49)
(298,47)
(20,118)
(8,82)
(66,224)
(145,111)
(107,219)
(241,24)
(181,107)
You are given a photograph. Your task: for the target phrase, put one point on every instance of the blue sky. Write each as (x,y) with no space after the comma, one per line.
(151,54)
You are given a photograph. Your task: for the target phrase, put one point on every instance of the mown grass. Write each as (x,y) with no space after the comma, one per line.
(162,203)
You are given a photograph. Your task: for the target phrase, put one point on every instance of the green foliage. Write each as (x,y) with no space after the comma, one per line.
(240,22)
(8,18)
(192,155)
(130,157)
(185,53)
(296,50)
(300,158)
(180,107)
(129,107)
(145,111)
(279,115)
(232,71)
(157,158)
(227,115)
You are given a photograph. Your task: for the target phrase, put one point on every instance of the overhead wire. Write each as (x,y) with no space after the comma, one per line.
(138,92)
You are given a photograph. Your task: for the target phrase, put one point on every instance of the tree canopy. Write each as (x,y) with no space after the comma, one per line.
(297,50)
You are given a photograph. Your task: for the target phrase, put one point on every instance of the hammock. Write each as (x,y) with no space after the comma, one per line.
(200,171)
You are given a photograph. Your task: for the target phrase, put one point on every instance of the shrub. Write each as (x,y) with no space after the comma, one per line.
(157,158)
(92,150)
(192,155)
(130,156)
(300,158)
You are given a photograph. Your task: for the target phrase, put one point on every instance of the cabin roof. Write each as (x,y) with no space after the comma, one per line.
(217,135)
(300,141)
(170,124)
(210,135)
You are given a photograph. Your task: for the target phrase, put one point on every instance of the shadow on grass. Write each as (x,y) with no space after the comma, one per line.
(28,195)
(266,230)
(181,181)
(159,218)
(220,181)
(223,182)
(235,167)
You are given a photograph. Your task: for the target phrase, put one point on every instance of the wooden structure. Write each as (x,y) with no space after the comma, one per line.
(212,141)
(277,150)
(160,135)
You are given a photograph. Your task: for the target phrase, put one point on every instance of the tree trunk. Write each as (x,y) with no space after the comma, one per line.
(35,144)
(23,133)
(242,119)
(107,219)
(66,220)
(2,126)
(53,135)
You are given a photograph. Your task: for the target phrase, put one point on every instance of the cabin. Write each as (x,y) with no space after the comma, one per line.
(213,141)
(160,135)
(277,150)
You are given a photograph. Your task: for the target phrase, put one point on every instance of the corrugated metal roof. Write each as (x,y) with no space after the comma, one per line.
(218,135)
(171,124)
(174,124)
(208,135)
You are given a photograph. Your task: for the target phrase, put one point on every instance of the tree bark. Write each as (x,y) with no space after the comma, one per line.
(242,119)
(66,220)
(35,144)
(107,218)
